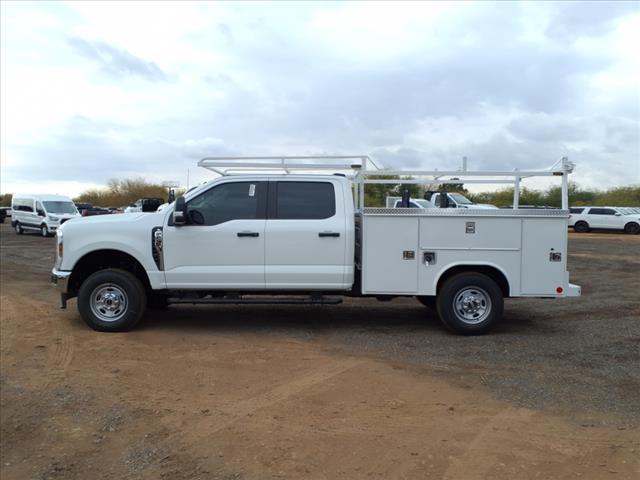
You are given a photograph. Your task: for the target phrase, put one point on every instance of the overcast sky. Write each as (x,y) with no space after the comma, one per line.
(93,91)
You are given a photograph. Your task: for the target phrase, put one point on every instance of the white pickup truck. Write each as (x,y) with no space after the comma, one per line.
(248,237)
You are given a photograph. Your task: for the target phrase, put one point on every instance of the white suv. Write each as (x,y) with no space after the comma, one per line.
(583,219)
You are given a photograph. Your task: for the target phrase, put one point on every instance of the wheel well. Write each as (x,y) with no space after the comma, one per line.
(101,259)
(491,272)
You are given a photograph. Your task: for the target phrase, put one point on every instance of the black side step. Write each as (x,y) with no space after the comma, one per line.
(257,300)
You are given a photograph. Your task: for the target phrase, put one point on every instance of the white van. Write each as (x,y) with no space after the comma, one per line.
(44,213)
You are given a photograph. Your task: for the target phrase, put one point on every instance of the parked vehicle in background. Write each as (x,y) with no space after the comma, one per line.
(83,206)
(90,212)
(43,213)
(258,237)
(455,200)
(584,219)
(144,205)
(3,214)
(396,202)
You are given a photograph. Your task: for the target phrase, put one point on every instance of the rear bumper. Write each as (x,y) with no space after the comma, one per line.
(60,280)
(573,290)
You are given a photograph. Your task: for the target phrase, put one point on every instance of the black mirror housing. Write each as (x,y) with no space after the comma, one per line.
(180,212)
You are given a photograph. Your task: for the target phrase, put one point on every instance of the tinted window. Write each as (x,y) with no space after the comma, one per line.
(23,205)
(576,210)
(305,200)
(601,211)
(412,204)
(229,201)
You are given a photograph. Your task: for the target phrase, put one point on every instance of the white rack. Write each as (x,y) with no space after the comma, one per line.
(363,170)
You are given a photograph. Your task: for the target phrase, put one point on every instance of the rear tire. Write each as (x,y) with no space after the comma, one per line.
(112,300)
(470,303)
(581,227)
(632,228)
(19,229)
(428,301)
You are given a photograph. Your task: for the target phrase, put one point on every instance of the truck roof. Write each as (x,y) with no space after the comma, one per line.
(43,197)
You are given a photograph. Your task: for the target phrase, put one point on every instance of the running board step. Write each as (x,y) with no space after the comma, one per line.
(315,300)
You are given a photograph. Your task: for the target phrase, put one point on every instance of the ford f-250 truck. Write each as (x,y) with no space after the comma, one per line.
(248,237)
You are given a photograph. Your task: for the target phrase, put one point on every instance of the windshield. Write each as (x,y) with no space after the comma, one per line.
(460,199)
(423,203)
(60,207)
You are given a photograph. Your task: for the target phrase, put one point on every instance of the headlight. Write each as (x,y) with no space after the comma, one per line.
(53,219)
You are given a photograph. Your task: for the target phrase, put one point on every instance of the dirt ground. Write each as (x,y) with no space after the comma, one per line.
(361,390)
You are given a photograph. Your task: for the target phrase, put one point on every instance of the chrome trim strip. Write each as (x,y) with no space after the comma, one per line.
(465,212)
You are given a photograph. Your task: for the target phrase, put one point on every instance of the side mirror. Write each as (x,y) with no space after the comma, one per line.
(618,214)
(180,212)
(443,200)
(41,213)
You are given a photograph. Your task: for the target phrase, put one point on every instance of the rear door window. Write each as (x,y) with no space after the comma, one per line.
(23,205)
(305,200)
(602,211)
(576,210)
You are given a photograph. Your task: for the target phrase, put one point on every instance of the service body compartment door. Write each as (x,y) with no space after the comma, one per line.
(544,256)
(390,254)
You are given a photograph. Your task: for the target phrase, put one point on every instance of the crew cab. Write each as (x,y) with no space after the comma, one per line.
(307,238)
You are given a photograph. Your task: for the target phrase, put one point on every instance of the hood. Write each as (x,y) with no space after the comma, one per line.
(100,222)
(481,206)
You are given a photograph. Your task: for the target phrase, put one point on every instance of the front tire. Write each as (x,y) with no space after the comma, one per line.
(581,227)
(632,228)
(470,303)
(19,229)
(112,300)
(44,231)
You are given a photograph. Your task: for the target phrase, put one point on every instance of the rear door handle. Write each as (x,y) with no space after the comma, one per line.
(329,234)
(248,234)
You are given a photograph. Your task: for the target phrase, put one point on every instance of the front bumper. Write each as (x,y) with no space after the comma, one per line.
(60,279)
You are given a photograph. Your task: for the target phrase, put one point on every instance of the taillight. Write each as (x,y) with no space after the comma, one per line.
(559,290)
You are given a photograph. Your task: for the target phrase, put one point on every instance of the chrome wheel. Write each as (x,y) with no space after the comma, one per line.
(108,302)
(472,305)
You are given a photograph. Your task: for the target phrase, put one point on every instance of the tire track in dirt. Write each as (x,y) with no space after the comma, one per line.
(243,408)
(479,456)
(59,342)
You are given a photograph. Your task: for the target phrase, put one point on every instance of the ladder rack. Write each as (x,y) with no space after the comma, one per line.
(359,170)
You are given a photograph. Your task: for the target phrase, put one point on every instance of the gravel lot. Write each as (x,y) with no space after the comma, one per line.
(360,390)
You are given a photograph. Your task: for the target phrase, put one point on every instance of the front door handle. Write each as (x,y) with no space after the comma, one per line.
(248,234)
(329,234)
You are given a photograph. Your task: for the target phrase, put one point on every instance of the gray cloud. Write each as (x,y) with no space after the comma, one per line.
(273,91)
(117,62)
(587,18)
